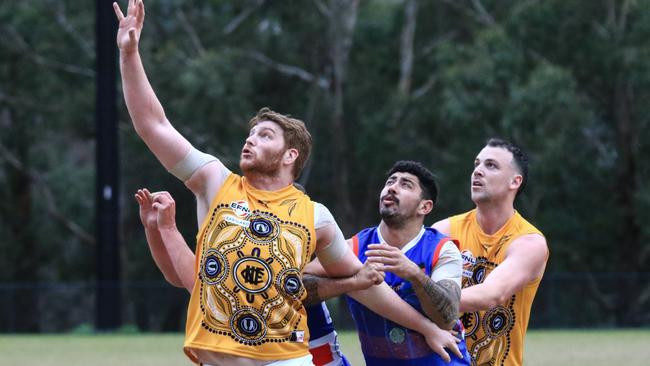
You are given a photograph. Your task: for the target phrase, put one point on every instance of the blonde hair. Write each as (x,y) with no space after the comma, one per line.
(296,135)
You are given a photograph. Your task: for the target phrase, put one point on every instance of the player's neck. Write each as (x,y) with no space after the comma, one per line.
(399,237)
(492,217)
(265,182)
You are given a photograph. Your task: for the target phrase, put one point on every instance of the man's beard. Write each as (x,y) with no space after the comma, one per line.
(392,218)
(269,167)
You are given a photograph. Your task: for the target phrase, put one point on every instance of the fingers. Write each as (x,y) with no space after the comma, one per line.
(118,12)
(162,197)
(143,197)
(140,12)
(454,348)
(443,354)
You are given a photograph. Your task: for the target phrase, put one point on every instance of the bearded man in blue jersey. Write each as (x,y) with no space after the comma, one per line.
(422,266)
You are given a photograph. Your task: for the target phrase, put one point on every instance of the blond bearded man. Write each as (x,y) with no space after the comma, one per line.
(256,231)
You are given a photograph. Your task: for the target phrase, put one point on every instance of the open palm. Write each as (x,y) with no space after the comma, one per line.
(130,26)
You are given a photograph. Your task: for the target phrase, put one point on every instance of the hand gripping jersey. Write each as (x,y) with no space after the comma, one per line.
(496,336)
(382,341)
(250,253)
(323,341)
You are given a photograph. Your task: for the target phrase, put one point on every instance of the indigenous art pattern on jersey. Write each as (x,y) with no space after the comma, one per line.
(250,283)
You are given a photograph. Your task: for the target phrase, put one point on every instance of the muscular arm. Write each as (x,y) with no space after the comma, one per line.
(181,256)
(184,258)
(524,263)
(439,298)
(158,251)
(321,288)
(147,113)
(160,256)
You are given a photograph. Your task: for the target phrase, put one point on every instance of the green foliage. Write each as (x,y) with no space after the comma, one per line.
(556,76)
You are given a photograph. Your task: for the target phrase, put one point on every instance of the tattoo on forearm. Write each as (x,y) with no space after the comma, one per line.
(444,296)
(311,286)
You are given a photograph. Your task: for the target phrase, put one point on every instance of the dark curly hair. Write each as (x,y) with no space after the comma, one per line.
(427,179)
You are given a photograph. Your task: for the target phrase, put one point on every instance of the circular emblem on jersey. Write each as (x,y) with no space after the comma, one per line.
(247,325)
(213,267)
(252,274)
(479,274)
(263,227)
(292,285)
(288,281)
(397,335)
(470,322)
(498,321)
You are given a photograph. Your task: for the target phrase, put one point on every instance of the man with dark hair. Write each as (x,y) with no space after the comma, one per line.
(422,266)
(256,231)
(504,257)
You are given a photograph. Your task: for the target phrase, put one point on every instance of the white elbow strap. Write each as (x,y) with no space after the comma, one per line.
(192,162)
(334,250)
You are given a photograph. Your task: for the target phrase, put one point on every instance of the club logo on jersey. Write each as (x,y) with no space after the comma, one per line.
(469,261)
(292,285)
(241,209)
(213,267)
(498,321)
(397,335)
(288,282)
(261,227)
(248,326)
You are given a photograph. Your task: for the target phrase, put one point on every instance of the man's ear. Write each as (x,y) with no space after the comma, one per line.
(290,156)
(425,207)
(516,181)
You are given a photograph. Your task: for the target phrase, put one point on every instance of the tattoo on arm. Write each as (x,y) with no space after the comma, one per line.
(311,286)
(440,300)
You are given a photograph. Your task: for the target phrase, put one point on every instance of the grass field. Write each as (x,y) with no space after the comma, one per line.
(548,347)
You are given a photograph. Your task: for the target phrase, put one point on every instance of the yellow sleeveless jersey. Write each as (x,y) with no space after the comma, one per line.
(250,253)
(494,337)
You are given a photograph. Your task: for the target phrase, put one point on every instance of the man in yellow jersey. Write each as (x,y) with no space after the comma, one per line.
(504,257)
(256,231)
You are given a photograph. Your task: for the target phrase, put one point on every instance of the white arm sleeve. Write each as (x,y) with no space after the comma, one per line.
(338,246)
(192,162)
(450,264)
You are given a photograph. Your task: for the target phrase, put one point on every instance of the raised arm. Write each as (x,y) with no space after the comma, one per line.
(146,112)
(524,263)
(172,149)
(158,251)
(181,256)
(439,295)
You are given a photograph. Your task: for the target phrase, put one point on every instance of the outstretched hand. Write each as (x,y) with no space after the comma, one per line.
(130,26)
